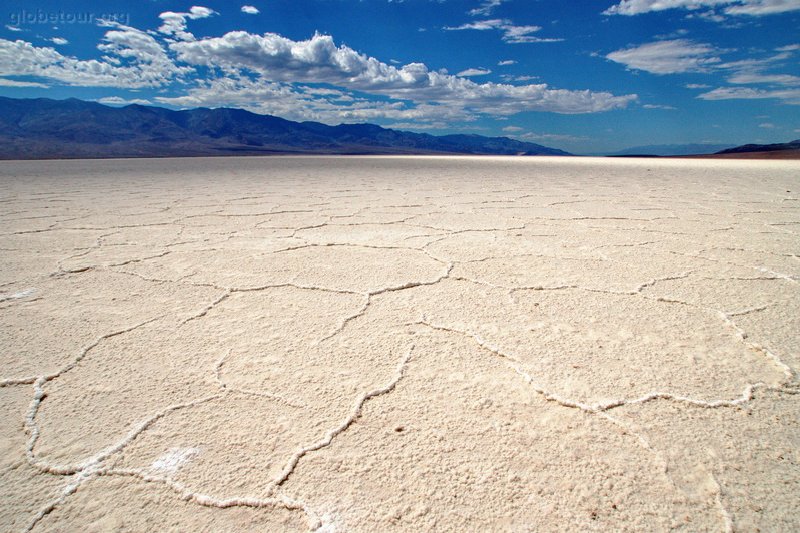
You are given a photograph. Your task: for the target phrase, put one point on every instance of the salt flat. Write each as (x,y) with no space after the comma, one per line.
(399,344)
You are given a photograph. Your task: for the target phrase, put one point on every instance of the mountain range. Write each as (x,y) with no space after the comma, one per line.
(791,146)
(42,128)
(670,150)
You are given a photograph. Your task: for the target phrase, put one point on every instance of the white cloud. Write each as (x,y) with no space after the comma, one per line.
(522,35)
(266,74)
(672,35)
(59,41)
(709,15)
(9,27)
(551,137)
(637,7)
(506,62)
(294,102)
(14,83)
(250,10)
(132,59)
(144,53)
(320,60)
(747,78)
(324,91)
(789,96)
(767,125)
(491,24)
(752,71)
(174,24)
(658,106)
(754,64)
(763,7)
(681,55)
(733,7)
(418,126)
(474,72)
(667,57)
(486,8)
(521,78)
(511,33)
(512,129)
(117,100)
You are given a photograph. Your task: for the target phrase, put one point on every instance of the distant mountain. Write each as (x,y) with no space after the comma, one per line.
(748,148)
(43,128)
(671,149)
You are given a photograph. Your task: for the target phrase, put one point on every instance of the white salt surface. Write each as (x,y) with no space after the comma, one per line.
(172,460)
(399,344)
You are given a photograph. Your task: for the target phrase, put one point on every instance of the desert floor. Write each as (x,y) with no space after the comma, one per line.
(409,344)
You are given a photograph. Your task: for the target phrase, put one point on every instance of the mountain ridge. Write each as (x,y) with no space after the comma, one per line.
(44,128)
(775,147)
(670,149)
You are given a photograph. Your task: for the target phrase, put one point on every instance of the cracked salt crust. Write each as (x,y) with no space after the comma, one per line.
(30,291)
(172,460)
(361,344)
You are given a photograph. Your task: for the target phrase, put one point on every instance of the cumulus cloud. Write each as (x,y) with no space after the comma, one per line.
(19,58)
(731,7)
(259,97)
(295,102)
(506,62)
(474,72)
(668,57)
(320,60)
(132,59)
(59,41)
(250,10)
(512,33)
(174,24)
(268,74)
(140,51)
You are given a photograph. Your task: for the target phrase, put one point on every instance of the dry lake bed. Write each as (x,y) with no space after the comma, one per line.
(399,344)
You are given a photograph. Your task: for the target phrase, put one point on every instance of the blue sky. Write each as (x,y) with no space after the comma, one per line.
(585,76)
